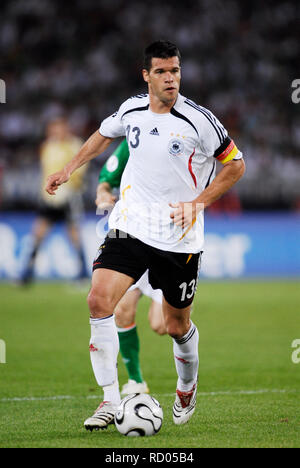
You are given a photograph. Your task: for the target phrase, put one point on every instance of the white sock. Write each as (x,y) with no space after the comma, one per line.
(104,349)
(112,393)
(186,359)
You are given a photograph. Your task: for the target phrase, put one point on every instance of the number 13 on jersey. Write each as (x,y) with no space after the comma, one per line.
(135,135)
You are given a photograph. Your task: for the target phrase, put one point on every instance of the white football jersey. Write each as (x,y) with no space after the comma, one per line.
(172,159)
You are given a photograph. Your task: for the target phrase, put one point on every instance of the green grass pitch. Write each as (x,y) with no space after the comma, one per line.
(249,388)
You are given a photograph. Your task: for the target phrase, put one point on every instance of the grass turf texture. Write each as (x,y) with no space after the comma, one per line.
(246,330)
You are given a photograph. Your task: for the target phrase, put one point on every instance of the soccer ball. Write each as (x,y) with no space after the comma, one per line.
(139,414)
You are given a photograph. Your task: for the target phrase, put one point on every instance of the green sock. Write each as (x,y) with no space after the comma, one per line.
(129,348)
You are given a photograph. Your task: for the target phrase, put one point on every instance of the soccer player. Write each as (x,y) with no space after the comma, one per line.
(158,222)
(57,150)
(125,311)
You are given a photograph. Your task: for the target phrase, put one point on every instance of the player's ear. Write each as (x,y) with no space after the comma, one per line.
(145,74)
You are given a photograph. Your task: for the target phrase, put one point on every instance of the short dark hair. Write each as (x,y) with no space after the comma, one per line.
(160,49)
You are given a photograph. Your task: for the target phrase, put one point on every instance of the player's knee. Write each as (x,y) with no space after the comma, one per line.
(176,329)
(159,328)
(174,332)
(124,316)
(99,305)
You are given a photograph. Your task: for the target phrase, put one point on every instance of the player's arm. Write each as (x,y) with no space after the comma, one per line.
(105,198)
(230,174)
(185,214)
(94,146)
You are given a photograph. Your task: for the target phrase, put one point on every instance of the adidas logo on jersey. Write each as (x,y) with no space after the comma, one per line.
(154,132)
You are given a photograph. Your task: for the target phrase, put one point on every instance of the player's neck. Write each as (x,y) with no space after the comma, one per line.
(160,107)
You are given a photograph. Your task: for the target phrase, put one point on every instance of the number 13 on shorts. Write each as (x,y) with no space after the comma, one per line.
(188,290)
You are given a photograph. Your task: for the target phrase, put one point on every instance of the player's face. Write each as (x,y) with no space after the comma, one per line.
(163,78)
(58,130)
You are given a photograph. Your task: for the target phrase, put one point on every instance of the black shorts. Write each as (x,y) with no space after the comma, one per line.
(53,214)
(70,212)
(176,274)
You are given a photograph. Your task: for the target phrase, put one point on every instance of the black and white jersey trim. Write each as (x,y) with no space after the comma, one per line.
(210,175)
(183,117)
(220,130)
(140,96)
(136,109)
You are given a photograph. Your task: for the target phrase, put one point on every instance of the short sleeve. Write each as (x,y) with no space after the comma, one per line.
(112,126)
(215,140)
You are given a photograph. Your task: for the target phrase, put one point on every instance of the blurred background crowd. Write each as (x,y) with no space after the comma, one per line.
(83,59)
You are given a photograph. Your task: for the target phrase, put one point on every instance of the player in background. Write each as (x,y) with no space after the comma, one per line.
(158,223)
(125,311)
(57,150)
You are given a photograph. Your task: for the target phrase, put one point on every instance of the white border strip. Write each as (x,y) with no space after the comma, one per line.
(96,397)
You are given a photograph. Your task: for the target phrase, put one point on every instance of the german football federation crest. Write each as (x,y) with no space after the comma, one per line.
(176,147)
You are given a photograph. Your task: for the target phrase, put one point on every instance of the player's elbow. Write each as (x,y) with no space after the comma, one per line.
(237,169)
(241,168)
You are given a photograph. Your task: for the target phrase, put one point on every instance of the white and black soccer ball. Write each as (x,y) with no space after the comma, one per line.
(139,415)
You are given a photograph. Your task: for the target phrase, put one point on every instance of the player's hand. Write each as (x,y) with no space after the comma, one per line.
(105,200)
(55,180)
(185,213)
